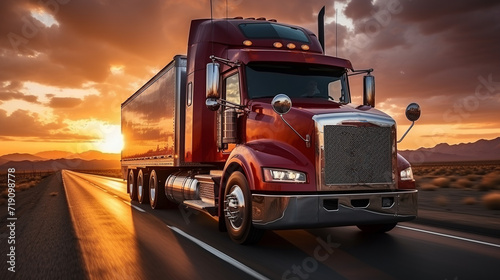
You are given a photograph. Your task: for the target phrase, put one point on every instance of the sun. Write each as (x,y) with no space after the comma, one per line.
(112,140)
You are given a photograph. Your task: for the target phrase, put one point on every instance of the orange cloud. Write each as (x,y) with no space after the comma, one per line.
(64,102)
(442,55)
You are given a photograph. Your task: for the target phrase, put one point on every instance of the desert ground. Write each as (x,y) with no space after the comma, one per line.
(468,188)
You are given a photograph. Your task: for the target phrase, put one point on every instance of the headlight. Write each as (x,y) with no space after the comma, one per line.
(406,174)
(284,175)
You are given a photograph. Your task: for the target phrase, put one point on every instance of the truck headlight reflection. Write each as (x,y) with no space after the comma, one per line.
(284,175)
(406,174)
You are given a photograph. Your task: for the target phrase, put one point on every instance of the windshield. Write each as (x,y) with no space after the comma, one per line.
(297,81)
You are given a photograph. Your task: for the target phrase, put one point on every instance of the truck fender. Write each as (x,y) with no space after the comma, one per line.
(251,157)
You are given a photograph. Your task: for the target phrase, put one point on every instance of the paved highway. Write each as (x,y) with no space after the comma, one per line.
(119,240)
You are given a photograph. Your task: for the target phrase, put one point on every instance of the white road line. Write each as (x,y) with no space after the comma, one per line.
(133,206)
(450,236)
(220,254)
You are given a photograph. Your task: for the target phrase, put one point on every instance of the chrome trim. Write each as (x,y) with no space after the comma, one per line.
(180,101)
(348,119)
(182,186)
(308,211)
(339,118)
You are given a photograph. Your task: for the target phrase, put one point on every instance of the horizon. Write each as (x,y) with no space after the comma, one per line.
(118,153)
(63,78)
(60,151)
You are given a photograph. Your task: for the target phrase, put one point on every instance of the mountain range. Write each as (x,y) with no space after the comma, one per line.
(482,150)
(56,160)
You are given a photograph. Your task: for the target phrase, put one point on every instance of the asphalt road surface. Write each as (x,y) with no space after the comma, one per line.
(83,226)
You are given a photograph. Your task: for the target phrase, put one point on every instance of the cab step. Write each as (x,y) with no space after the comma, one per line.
(200,205)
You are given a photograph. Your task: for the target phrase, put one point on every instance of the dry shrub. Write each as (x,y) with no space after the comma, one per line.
(472,177)
(441,200)
(492,200)
(469,200)
(427,187)
(490,181)
(25,185)
(440,171)
(464,183)
(441,182)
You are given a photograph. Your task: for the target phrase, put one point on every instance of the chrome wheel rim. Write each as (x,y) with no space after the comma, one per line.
(139,191)
(131,183)
(152,189)
(234,207)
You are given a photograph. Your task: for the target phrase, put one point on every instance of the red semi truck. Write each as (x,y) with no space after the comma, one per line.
(255,127)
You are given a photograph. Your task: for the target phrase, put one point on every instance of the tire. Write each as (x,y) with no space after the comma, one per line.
(238,211)
(132,185)
(157,198)
(380,228)
(142,187)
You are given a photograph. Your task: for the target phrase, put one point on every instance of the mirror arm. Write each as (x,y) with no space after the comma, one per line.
(357,72)
(232,105)
(307,139)
(225,61)
(408,130)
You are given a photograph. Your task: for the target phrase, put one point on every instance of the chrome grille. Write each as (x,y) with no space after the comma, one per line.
(357,155)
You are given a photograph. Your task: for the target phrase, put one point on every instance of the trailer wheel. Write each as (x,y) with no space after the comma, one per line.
(157,198)
(238,211)
(142,187)
(379,228)
(131,185)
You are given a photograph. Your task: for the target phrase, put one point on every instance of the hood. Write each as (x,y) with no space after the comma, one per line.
(309,107)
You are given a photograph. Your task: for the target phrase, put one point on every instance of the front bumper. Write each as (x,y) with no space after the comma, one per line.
(326,210)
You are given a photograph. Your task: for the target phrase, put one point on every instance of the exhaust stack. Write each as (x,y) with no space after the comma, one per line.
(321,28)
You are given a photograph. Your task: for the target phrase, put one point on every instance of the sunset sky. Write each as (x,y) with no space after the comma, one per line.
(67,65)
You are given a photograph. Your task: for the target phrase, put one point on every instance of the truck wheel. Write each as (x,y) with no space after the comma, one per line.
(157,198)
(142,188)
(380,228)
(238,211)
(131,185)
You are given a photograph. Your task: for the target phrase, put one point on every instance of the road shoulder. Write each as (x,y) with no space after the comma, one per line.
(46,245)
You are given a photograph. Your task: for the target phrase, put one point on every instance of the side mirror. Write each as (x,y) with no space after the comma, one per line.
(413,112)
(281,104)
(212,87)
(369,90)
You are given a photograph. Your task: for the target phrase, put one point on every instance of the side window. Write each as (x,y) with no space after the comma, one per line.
(335,91)
(232,86)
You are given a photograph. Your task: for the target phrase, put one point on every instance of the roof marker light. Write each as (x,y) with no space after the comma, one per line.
(305,47)
(247,43)
(290,46)
(278,45)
